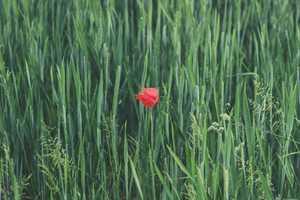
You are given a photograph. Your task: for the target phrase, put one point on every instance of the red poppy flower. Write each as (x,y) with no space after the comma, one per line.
(149,97)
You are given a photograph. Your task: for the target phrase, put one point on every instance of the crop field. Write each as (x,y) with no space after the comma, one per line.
(149,99)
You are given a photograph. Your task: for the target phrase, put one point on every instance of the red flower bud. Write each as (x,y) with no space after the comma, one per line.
(149,97)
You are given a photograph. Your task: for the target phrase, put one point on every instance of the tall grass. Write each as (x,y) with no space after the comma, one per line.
(227,125)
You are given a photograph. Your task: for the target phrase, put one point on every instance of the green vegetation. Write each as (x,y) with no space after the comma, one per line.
(227,125)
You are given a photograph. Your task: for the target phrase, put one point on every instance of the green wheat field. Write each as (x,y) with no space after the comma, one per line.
(227,125)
